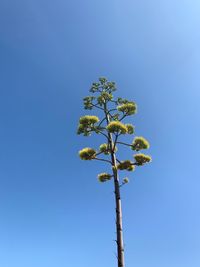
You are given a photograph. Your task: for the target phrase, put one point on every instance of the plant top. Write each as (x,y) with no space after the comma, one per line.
(111,126)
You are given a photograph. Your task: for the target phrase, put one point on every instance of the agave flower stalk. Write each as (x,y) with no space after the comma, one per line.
(112,127)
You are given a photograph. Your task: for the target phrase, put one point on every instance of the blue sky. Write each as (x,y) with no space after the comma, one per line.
(53,211)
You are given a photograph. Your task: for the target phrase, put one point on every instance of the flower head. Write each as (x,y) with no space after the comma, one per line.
(130,128)
(94,88)
(103,177)
(87,153)
(102,80)
(103,85)
(117,127)
(87,124)
(141,159)
(104,148)
(126,165)
(88,120)
(128,108)
(125,180)
(87,101)
(104,97)
(139,143)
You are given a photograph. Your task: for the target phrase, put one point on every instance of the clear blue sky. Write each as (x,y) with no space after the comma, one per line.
(53,211)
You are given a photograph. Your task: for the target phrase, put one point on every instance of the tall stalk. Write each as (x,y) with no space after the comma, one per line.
(118,206)
(111,128)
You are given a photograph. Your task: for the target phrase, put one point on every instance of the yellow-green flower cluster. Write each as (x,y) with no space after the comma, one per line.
(139,143)
(103,177)
(141,159)
(117,127)
(129,108)
(125,180)
(105,149)
(103,84)
(87,153)
(130,128)
(103,80)
(110,86)
(104,97)
(126,165)
(86,124)
(95,87)
(88,120)
(87,101)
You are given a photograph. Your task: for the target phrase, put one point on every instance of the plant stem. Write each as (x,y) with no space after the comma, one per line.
(119,241)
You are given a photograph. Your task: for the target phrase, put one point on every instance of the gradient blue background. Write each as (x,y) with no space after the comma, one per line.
(53,211)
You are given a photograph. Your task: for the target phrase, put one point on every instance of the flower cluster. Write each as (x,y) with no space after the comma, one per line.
(87,102)
(87,153)
(89,124)
(86,124)
(130,128)
(139,143)
(95,87)
(116,116)
(103,177)
(87,120)
(141,159)
(122,100)
(129,108)
(103,85)
(126,165)
(104,148)
(104,97)
(117,127)
(125,180)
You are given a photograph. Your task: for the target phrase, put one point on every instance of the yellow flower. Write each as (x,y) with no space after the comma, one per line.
(128,108)
(103,177)
(130,128)
(126,165)
(87,153)
(104,148)
(140,143)
(141,159)
(88,119)
(117,127)
(125,180)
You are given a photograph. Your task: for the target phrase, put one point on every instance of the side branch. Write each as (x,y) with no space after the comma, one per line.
(124,144)
(118,160)
(105,160)
(99,153)
(103,134)
(123,117)
(113,109)
(101,121)
(96,106)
